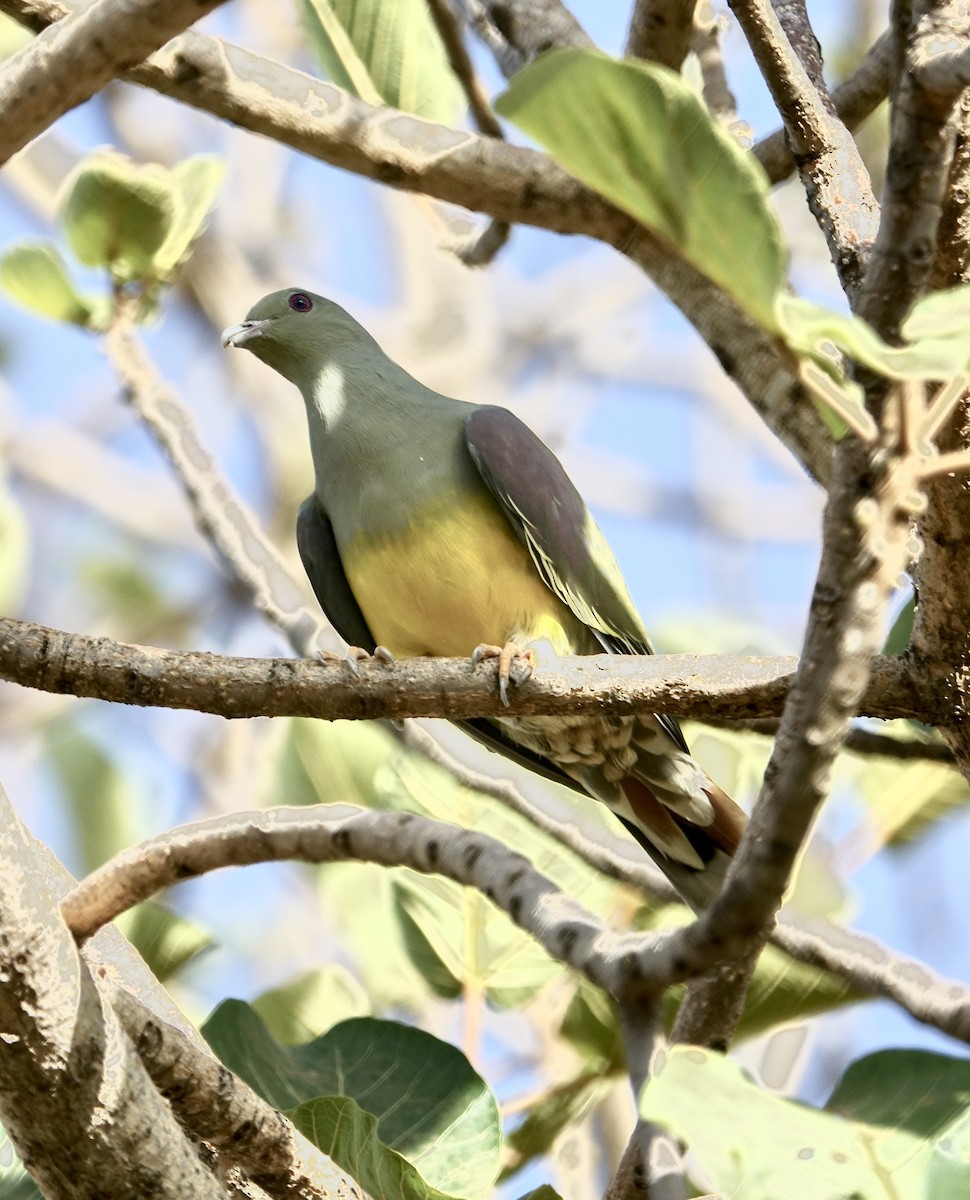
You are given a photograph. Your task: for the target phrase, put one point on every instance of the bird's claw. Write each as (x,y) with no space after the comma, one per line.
(515,665)
(356,655)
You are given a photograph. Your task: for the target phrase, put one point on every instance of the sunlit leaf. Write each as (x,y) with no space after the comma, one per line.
(15,1183)
(563,1105)
(455,934)
(893,1117)
(99,793)
(14,551)
(311,1004)
(35,276)
(117,213)
(641,136)
(385,51)
(195,183)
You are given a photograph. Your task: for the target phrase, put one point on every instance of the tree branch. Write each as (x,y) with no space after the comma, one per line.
(660,31)
(617,961)
(74,1097)
(75,58)
(216,1106)
(832,171)
(854,102)
(922,135)
(510,183)
(682,685)
(331,833)
(518,31)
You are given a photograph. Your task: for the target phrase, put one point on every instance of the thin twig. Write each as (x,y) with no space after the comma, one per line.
(660,31)
(485,245)
(922,136)
(221,517)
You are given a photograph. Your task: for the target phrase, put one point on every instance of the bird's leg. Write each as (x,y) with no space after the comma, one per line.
(515,664)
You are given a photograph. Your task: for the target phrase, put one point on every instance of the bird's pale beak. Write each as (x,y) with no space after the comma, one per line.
(239,335)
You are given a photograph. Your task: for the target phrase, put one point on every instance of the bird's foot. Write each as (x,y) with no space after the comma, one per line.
(515,665)
(355,655)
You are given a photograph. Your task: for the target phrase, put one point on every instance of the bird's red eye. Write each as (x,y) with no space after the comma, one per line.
(300,302)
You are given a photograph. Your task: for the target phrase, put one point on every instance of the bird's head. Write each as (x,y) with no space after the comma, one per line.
(296,332)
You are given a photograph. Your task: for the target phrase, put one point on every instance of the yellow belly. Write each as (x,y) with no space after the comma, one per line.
(456,577)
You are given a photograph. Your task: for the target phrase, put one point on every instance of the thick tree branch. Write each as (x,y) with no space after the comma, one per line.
(336,833)
(510,183)
(216,1106)
(682,685)
(75,1099)
(864,550)
(832,171)
(75,58)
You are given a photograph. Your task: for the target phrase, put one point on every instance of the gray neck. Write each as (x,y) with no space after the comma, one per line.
(377,433)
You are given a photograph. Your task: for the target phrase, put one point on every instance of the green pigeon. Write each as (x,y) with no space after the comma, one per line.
(438,527)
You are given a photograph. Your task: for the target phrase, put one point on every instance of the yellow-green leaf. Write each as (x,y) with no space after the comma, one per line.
(34,275)
(641,137)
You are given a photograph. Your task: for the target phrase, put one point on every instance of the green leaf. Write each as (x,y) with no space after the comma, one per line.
(639,135)
(34,275)
(324,761)
(898,1119)
(350,1136)
(385,51)
(592,1027)
(902,629)
(426,1102)
(312,1003)
(457,937)
(936,354)
(98,793)
(165,940)
(942,314)
(195,182)
(118,214)
(904,798)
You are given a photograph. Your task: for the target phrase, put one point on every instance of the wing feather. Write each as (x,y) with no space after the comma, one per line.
(551,519)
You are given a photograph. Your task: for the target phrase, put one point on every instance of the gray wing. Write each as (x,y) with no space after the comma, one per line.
(321,561)
(551,519)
